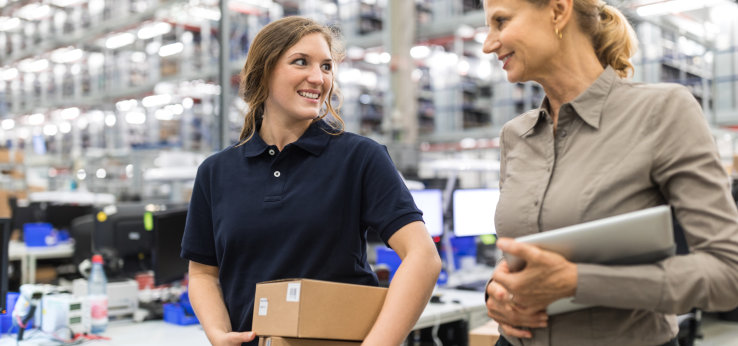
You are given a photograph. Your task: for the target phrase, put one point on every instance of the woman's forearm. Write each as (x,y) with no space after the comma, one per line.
(206,298)
(408,295)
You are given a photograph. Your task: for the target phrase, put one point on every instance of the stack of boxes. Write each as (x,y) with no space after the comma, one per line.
(303,312)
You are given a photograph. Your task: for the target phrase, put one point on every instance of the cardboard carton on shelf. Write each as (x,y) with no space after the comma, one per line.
(8,156)
(279,341)
(484,335)
(303,308)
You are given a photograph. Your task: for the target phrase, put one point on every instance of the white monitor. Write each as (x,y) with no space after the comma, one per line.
(474,211)
(430,202)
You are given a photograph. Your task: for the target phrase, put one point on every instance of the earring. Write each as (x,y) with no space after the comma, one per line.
(559,34)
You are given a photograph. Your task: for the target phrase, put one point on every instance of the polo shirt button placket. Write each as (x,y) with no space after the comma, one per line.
(277,174)
(272,152)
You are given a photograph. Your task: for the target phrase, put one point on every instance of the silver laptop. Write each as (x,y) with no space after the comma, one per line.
(643,236)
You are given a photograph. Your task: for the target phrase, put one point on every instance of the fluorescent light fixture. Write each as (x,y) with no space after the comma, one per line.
(50,130)
(110,120)
(673,6)
(65,127)
(138,57)
(164,114)
(67,55)
(120,40)
(101,173)
(135,118)
(66,3)
(126,105)
(8,74)
(30,65)
(205,13)
(36,119)
(82,123)
(153,30)
(465,31)
(33,12)
(419,52)
(385,57)
(9,24)
(156,100)
(96,60)
(70,113)
(188,102)
(171,49)
(8,124)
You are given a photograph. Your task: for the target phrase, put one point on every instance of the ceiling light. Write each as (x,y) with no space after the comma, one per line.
(120,40)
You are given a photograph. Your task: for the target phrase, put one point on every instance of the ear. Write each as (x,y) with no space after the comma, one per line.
(561,12)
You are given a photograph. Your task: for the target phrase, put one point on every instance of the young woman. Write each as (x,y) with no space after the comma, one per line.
(295,198)
(599,146)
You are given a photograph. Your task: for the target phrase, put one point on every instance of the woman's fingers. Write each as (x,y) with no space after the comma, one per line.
(515,332)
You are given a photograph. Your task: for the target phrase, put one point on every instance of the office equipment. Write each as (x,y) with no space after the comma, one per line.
(474,211)
(119,233)
(4,242)
(642,236)
(168,232)
(62,215)
(429,201)
(65,311)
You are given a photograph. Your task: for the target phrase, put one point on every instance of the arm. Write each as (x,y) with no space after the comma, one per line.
(411,286)
(207,301)
(689,175)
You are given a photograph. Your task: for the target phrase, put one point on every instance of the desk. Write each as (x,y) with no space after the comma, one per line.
(18,251)
(126,333)
(457,305)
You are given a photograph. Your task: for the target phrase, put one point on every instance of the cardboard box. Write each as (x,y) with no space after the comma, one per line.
(484,335)
(303,308)
(279,341)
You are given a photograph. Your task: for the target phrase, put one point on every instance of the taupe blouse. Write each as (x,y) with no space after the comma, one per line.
(619,147)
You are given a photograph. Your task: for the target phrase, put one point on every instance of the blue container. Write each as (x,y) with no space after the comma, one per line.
(175,313)
(6,319)
(389,258)
(39,234)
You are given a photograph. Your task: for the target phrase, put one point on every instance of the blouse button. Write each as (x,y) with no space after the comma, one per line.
(271,152)
(563,133)
(535,203)
(277,174)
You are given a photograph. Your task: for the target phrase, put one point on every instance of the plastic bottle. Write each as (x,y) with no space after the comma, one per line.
(98,296)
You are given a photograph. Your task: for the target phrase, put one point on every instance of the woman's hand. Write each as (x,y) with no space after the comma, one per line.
(547,276)
(511,316)
(234,338)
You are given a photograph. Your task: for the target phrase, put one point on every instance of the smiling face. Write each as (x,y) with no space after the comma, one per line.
(301,80)
(522,35)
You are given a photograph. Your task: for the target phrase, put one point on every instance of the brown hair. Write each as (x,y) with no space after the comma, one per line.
(266,49)
(612,36)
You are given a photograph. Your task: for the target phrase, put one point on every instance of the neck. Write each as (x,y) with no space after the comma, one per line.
(280,133)
(571,73)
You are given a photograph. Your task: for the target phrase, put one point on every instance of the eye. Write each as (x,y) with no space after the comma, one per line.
(300,62)
(500,21)
(327,67)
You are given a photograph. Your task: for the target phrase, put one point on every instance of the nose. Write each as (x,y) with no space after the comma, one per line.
(491,44)
(315,75)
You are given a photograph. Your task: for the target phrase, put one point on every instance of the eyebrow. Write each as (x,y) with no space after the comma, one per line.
(306,55)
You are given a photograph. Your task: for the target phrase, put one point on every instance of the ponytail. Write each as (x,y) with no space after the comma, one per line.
(615,42)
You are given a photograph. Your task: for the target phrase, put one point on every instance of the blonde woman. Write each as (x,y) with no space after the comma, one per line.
(600,145)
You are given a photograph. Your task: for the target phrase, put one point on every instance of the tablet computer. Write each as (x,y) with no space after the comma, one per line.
(643,236)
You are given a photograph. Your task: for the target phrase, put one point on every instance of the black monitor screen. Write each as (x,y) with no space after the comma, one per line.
(168,231)
(61,215)
(4,239)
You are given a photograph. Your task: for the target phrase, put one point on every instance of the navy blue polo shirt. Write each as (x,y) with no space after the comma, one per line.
(260,214)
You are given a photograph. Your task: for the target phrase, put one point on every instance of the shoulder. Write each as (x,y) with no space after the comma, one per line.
(653,92)
(225,156)
(357,143)
(521,124)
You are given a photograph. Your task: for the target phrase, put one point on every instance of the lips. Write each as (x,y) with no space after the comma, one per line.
(505,58)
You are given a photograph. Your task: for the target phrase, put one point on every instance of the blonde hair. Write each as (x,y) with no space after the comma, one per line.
(267,47)
(612,36)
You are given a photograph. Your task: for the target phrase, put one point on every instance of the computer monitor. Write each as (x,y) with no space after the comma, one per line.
(474,211)
(168,231)
(120,232)
(429,201)
(61,215)
(4,240)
